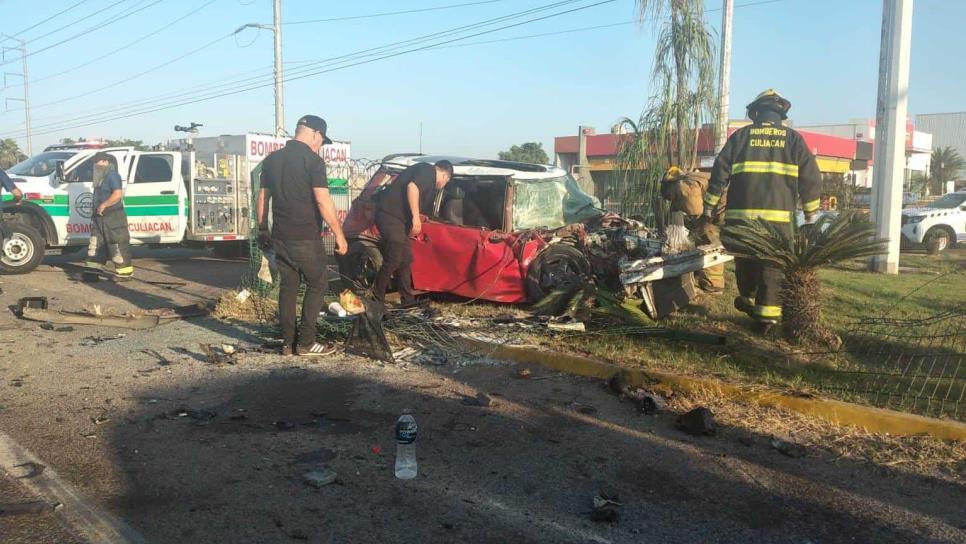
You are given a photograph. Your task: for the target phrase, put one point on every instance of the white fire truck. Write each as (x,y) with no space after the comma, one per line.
(198,195)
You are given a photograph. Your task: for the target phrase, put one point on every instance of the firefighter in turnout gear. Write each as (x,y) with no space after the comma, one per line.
(109,233)
(766,170)
(685,192)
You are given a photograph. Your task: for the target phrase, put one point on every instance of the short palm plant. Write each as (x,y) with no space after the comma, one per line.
(799,254)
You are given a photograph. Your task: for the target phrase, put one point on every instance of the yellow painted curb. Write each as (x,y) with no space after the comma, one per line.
(871,419)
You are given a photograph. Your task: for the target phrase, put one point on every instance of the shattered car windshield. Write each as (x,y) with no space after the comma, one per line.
(551,203)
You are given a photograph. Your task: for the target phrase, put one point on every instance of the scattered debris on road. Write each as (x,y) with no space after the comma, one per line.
(203,415)
(320,477)
(76,318)
(481,399)
(51,327)
(697,422)
(29,469)
(606,506)
(22,508)
(788,449)
(221,354)
(96,340)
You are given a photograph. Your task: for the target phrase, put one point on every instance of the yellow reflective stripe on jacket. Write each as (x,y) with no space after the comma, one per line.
(767,311)
(811,206)
(711,200)
(764,167)
(776,216)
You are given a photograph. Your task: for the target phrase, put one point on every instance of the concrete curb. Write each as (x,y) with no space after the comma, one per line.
(871,419)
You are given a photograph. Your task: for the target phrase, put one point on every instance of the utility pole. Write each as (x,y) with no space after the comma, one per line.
(279,92)
(26,87)
(724,75)
(276,29)
(890,130)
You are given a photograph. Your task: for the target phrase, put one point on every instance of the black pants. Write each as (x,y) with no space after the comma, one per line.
(397,258)
(760,286)
(110,237)
(300,260)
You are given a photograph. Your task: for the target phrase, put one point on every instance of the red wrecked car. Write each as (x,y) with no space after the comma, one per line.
(510,232)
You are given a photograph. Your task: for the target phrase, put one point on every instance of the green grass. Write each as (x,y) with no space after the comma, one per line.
(925,286)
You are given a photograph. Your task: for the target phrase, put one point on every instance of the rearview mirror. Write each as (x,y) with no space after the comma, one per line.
(59,168)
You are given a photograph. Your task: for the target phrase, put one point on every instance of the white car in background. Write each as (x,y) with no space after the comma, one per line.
(941,224)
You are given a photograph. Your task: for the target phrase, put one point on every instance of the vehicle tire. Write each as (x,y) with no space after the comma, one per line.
(359,266)
(558,266)
(939,239)
(22,248)
(231,249)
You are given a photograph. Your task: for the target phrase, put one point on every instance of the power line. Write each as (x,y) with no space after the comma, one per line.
(389,13)
(56,127)
(586,28)
(84,18)
(160,100)
(59,13)
(88,30)
(368,52)
(128,45)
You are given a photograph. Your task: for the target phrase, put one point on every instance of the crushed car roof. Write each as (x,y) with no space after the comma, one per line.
(463,166)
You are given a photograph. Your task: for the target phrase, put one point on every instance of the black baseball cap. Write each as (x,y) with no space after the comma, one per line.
(315,122)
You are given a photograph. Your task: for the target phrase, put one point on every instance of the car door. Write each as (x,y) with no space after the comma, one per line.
(469,261)
(153,199)
(78,181)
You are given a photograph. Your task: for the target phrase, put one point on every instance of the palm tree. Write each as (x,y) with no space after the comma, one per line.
(682,99)
(799,255)
(945,165)
(10,153)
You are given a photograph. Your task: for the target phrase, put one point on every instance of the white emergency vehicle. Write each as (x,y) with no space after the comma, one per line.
(941,224)
(177,196)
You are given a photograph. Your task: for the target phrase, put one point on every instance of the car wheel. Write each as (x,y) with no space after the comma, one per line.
(21,249)
(938,239)
(359,266)
(557,267)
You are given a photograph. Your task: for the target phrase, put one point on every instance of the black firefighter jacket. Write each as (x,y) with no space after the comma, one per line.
(766,170)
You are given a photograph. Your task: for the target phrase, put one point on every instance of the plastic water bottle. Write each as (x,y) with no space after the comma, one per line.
(406,446)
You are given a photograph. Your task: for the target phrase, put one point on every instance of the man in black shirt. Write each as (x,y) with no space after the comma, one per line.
(397,218)
(294,179)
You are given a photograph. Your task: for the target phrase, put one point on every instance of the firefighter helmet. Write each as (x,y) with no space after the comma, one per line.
(772,100)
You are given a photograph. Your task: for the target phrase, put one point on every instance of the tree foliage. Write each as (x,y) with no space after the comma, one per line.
(10,153)
(945,165)
(683,98)
(799,253)
(530,152)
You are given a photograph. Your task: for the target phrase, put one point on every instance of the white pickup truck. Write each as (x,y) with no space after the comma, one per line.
(169,199)
(939,226)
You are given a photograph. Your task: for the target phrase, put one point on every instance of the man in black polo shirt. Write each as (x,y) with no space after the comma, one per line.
(294,179)
(397,218)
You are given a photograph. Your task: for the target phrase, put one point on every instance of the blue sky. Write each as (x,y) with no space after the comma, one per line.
(473,100)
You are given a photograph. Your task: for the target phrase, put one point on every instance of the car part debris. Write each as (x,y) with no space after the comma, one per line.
(72,318)
(697,422)
(481,399)
(34,303)
(95,340)
(21,508)
(51,327)
(571,326)
(223,354)
(202,415)
(320,478)
(243,295)
(283,425)
(788,449)
(606,506)
(367,337)
(30,469)
(162,360)
(523,373)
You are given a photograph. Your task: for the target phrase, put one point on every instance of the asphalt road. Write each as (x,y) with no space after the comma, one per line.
(108,420)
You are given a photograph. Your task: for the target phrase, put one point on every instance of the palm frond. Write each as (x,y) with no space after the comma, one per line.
(828,241)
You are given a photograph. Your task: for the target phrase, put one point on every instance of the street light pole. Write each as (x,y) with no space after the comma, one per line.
(276,29)
(890,130)
(279,92)
(724,75)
